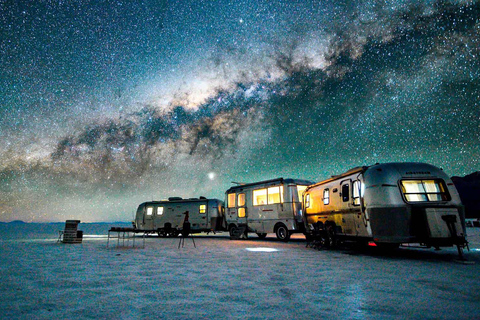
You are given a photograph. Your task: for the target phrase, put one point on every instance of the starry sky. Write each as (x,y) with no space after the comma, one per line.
(106,104)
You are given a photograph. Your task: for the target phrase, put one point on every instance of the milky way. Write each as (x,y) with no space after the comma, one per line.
(105,105)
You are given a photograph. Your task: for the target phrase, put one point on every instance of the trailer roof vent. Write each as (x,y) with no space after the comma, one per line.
(174,198)
(202,197)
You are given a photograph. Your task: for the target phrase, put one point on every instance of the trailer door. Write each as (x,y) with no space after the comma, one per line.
(241,208)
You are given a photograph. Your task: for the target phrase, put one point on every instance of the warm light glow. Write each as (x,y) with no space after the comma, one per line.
(259,197)
(424,190)
(260,249)
(300,190)
(231,200)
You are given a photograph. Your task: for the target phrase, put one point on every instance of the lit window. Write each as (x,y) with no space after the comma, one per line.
(301,190)
(307,200)
(424,190)
(241,200)
(275,195)
(326,196)
(231,200)
(159,211)
(149,211)
(241,212)
(356,192)
(259,197)
(203,208)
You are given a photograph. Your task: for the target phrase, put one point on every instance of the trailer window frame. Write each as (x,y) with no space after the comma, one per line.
(149,211)
(230,196)
(159,211)
(262,196)
(326,196)
(356,192)
(444,195)
(346,191)
(307,200)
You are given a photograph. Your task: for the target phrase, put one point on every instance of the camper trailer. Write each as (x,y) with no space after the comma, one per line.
(389,204)
(266,207)
(166,217)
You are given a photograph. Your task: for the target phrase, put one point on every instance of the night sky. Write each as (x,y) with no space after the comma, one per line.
(106,104)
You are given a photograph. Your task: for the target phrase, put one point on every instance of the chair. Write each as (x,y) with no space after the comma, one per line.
(70,234)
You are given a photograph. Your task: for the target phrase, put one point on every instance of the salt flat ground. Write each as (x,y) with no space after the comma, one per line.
(221,278)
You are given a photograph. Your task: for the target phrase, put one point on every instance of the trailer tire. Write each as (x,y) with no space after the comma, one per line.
(262,235)
(282,233)
(232,229)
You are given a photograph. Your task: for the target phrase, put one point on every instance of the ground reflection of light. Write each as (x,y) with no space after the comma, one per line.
(475,249)
(262,249)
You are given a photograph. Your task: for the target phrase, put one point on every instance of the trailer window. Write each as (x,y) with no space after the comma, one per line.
(259,197)
(241,199)
(356,192)
(203,208)
(307,200)
(301,190)
(424,190)
(275,195)
(345,192)
(149,211)
(231,200)
(241,212)
(271,195)
(326,196)
(159,211)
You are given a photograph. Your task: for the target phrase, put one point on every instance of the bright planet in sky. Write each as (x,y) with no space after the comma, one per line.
(104,105)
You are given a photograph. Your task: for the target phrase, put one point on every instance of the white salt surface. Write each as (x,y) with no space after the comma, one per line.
(221,278)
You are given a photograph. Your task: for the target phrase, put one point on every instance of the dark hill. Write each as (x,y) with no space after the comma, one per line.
(469,189)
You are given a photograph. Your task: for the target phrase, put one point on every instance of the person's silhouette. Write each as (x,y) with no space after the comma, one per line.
(185,231)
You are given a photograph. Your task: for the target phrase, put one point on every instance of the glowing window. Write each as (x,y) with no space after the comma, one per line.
(424,190)
(241,200)
(241,212)
(149,211)
(203,208)
(231,200)
(307,200)
(275,195)
(356,192)
(301,190)
(326,196)
(159,211)
(259,197)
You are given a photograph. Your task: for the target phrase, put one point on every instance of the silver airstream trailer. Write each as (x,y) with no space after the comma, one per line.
(166,217)
(266,206)
(389,204)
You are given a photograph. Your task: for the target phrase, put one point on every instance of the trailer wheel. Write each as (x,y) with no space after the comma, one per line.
(262,235)
(282,232)
(232,229)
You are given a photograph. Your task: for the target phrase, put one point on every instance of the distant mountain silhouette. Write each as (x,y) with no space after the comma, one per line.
(469,189)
